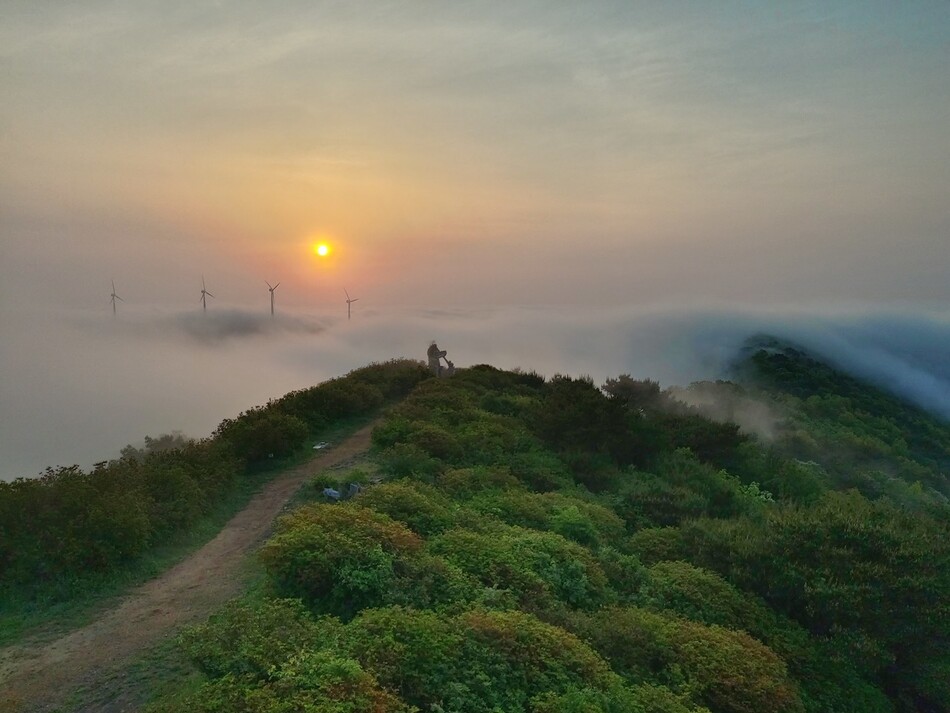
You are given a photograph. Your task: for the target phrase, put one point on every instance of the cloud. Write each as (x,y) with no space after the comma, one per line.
(214,328)
(222,326)
(78,387)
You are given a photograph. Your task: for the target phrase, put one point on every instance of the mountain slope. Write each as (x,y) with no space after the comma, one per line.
(861,433)
(539,545)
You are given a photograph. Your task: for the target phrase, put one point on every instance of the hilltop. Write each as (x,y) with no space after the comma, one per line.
(549,545)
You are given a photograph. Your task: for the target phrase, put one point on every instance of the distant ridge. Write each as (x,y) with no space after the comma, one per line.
(771,361)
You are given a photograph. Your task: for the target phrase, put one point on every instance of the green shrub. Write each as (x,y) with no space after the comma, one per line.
(463,483)
(658,544)
(435,440)
(422,507)
(834,567)
(262,433)
(725,670)
(624,572)
(427,581)
(538,568)
(518,650)
(416,654)
(250,639)
(315,681)
(405,459)
(338,558)
(682,488)
(393,378)
(539,470)
(477,662)
(620,699)
(325,480)
(698,594)
(572,517)
(390,432)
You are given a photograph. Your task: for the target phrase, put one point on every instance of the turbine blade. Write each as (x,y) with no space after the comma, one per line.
(209,294)
(119,298)
(277,285)
(347,294)
(356,300)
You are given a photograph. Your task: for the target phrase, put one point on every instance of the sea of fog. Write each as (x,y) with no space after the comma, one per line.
(75,387)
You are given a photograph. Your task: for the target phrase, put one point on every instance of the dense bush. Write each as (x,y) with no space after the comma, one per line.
(463,483)
(338,558)
(725,670)
(573,414)
(834,567)
(682,488)
(250,639)
(263,433)
(331,401)
(422,507)
(70,522)
(394,378)
(317,681)
(405,460)
(644,698)
(658,544)
(476,662)
(540,569)
(575,518)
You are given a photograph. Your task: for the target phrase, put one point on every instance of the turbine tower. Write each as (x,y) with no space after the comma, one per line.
(114,298)
(271,295)
(349,302)
(204,294)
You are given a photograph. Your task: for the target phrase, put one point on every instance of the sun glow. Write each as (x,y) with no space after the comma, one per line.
(321,249)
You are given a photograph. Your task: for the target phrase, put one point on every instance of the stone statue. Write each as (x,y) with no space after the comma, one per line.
(435,357)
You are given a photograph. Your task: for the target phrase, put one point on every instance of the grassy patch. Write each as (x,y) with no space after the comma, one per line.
(162,673)
(360,470)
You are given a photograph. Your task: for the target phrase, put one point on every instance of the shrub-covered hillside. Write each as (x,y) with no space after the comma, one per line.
(547,545)
(848,433)
(70,527)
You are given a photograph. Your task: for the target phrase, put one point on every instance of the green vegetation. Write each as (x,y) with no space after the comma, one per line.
(72,533)
(550,546)
(853,435)
(546,545)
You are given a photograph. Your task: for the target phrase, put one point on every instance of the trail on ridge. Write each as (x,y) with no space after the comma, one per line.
(38,677)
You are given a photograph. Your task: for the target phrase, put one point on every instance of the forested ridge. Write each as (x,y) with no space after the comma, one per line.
(550,545)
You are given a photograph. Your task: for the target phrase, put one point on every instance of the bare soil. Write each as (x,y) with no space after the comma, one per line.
(37,676)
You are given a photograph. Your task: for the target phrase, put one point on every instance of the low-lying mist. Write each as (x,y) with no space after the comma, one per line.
(76,387)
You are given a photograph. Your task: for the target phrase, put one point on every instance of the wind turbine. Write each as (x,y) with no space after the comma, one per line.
(349,302)
(271,295)
(114,298)
(204,294)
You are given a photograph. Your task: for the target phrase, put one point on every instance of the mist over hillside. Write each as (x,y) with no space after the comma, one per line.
(77,386)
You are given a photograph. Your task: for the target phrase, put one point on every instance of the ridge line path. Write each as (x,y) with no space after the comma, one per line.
(37,678)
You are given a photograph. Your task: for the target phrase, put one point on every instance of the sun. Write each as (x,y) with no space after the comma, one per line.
(321,249)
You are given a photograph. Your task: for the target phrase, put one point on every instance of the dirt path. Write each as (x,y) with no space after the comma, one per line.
(37,678)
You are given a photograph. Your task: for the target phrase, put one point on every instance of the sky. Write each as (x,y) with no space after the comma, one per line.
(479,153)
(548,173)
